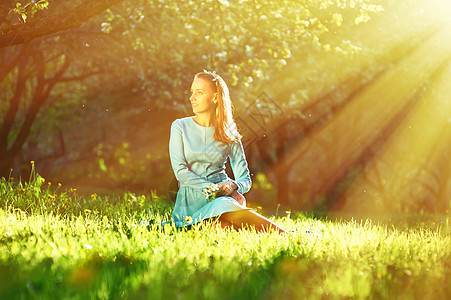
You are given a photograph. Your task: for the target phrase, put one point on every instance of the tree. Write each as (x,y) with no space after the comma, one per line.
(32,70)
(149,48)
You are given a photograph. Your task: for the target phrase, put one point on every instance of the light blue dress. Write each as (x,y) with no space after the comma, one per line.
(198,161)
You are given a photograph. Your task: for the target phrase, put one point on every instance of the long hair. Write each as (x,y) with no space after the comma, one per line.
(225,127)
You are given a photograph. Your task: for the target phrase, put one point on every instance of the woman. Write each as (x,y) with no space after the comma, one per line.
(199,147)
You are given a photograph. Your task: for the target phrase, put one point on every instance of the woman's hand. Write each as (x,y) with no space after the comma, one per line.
(227,188)
(238,197)
(230,189)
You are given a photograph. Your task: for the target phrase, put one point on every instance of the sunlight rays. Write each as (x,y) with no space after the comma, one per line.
(356,110)
(384,41)
(321,159)
(405,173)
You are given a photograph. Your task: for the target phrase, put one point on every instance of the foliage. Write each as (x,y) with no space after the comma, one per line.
(245,41)
(29,9)
(139,57)
(91,248)
(146,52)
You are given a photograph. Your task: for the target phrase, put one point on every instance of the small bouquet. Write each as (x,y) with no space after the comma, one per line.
(211,191)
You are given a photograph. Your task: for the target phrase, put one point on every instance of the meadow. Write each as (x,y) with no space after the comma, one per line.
(57,244)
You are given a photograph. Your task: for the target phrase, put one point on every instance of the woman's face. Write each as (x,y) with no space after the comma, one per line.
(202,96)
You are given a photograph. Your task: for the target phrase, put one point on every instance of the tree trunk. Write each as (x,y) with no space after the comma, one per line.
(41,93)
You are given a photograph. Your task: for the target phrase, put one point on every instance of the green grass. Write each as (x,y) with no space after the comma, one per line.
(56,244)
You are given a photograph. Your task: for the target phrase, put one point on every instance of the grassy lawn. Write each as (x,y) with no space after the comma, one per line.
(55,244)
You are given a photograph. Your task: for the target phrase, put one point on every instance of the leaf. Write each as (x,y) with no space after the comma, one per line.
(102,165)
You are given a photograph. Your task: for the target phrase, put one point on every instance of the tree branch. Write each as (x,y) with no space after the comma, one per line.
(24,32)
(42,92)
(8,66)
(13,105)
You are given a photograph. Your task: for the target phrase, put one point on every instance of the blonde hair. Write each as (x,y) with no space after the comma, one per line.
(225,130)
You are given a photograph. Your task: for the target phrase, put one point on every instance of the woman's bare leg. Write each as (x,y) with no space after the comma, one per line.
(250,218)
(226,224)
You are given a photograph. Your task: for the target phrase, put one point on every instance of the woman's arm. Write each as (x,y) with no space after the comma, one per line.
(240,168)
(178,160)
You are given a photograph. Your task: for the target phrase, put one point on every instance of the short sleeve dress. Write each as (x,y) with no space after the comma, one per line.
(198,161)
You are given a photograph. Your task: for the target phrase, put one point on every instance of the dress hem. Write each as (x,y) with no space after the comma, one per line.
(213,209)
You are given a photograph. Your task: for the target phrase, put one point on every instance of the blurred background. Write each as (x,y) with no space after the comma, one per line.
(344,105)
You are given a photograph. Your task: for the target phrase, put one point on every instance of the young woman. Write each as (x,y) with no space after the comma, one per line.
(199,147)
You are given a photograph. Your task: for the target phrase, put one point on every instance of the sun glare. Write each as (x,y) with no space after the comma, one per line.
(407,171)
(393,126)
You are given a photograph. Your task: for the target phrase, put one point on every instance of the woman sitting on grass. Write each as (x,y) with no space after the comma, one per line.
(199,147)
